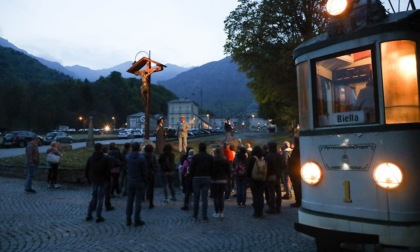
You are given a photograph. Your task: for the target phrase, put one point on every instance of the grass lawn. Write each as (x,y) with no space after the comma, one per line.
(76,158)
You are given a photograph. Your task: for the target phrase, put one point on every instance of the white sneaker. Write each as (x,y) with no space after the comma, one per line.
(215,215)
(221,215)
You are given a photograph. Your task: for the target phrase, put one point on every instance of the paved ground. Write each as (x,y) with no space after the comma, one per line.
(54,220)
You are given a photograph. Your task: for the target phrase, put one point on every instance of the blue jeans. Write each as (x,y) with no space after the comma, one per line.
(98,194)
(135,193)
(201,188)
(241,186)
(29,176)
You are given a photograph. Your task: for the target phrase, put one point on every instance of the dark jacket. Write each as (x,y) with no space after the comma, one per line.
(98,168)
(160,139)
(201,165)
(151,162)
(167,161)
(274,165)
(294,162)
(221,171)
(137,170)
(117,156)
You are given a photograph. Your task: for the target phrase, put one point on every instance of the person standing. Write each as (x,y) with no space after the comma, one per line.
(167,168)
(219,178)
(98,172)
(286,152)
(160,136)
(257,187)
(200,169)
(186,179)
(31,163)
(295,177)
(228,130)
(228,153)
(117,158)
(182,133)
(152,167)
(110,163)
(239,164)
(53,167)
(126,150)
(137,174)
(274,168)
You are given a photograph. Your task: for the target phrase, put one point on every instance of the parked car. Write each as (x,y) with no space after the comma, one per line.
(58,136)
(19,138)
(125,134)
(138,133)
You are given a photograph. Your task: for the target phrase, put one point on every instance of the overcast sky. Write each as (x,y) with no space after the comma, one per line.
(103,33)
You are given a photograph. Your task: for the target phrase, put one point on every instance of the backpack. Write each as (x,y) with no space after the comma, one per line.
(259,171)
(240,168)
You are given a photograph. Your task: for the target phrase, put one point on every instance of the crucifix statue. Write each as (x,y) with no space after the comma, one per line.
(145,87)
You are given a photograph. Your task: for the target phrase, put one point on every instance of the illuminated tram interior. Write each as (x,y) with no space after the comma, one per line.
(346,91)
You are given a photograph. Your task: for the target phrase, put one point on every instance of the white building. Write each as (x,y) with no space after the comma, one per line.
(188,109)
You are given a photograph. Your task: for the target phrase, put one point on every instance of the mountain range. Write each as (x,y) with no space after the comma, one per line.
(216,87)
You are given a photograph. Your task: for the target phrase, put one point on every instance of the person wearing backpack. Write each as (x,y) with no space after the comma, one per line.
(257,175)
(239,164)
(187,180)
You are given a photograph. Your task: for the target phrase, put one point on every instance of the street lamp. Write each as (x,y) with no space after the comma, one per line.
(81,120)
(208,121)
(113,121)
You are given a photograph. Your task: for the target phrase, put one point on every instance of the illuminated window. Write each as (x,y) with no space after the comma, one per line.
(345,90)
(399,74)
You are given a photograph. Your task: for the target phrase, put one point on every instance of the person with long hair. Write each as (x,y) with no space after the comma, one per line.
(219,178)
(53,167)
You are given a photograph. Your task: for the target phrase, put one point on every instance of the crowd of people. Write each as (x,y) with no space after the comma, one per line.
(224,172)
(204,175)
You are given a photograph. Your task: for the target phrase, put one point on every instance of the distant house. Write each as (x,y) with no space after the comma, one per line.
(188,109)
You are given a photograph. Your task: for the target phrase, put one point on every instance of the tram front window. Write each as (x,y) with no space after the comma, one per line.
(345,90)
(401,91)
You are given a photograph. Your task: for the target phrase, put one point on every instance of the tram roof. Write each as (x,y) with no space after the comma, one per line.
(408,20)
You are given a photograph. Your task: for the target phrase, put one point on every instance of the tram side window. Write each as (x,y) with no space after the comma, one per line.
(400,81)
(345,90)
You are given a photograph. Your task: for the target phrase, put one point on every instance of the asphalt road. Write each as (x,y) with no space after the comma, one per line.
(11,152)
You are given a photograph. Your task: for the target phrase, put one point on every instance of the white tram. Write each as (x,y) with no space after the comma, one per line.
(359,111)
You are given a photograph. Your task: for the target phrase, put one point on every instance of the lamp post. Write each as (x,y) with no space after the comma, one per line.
(113,123)
(208,121)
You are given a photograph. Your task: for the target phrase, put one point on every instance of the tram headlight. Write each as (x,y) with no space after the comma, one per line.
(337,7)
(388,175)
(310,173)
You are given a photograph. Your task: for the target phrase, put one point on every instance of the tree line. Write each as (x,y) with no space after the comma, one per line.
(42,106)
